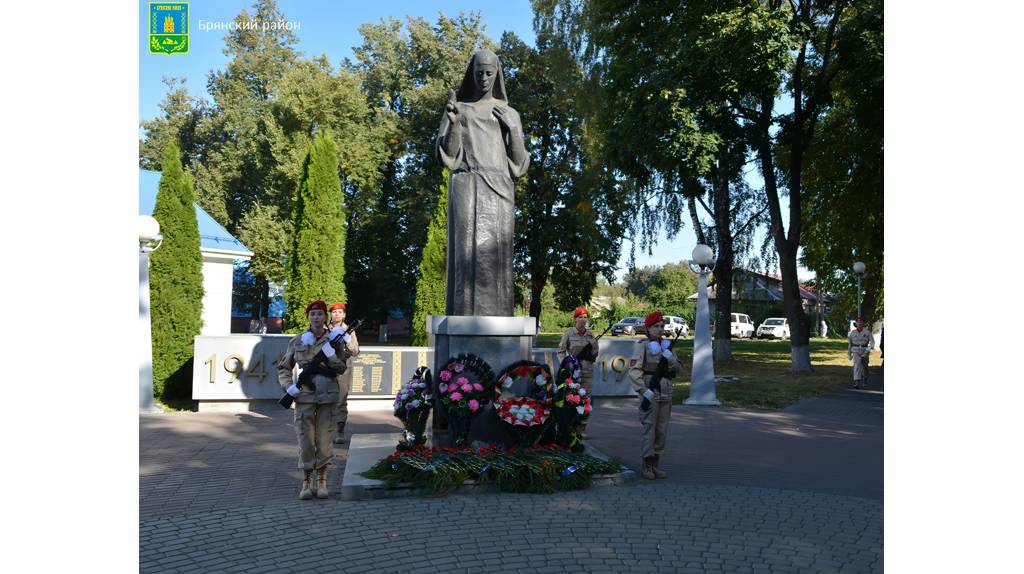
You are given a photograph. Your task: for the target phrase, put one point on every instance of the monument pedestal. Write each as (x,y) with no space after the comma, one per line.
(500,341)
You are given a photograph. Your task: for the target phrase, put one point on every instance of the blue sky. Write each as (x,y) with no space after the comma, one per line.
(332,28)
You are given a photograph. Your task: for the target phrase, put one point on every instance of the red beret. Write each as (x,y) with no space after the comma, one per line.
(580,311)
(318,304)
(337,306)
(653,318)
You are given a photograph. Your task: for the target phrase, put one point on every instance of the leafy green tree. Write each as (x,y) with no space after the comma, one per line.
(665,288)
(262,226)
(406,69)
(629,306)
(431,287)
(316,266)
(671,288)
(176,283)
(180,124)
(743,59)
(843,179)
(241,167)
(638,280)
(667,132)
(759,55)
(246,147)
(235,167)
(569,216)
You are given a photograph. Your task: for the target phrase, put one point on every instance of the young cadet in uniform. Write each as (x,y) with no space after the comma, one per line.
(654,421)
(314,409)
(859,343)
(573,342)
(345,380)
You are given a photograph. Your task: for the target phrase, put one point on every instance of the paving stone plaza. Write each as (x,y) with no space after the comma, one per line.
(798,490)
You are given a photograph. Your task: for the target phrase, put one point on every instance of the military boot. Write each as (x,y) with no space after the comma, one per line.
(648,472)
(656,467)
(339,438)
(321,483)
(307,486)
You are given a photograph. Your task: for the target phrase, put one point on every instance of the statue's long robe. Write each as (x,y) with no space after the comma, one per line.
(481,212)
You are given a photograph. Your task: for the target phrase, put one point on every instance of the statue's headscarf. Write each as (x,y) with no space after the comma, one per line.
(467,89)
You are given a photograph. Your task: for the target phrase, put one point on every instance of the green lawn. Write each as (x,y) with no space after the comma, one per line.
(762,371)
(764,380)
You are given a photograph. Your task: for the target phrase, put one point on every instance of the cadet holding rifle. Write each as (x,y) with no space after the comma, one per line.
(651,370)
(315,400)
(337,311)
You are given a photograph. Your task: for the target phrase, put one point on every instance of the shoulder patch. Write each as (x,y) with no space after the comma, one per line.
(633,362)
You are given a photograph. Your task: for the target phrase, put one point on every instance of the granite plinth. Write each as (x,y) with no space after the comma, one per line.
(500,341)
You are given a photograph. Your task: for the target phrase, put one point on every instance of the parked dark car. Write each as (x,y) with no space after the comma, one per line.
(629,326)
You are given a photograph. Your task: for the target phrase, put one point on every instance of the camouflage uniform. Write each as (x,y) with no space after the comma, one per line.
(858,345)
(314,410)
(571,344)
(654,422)
(345,385)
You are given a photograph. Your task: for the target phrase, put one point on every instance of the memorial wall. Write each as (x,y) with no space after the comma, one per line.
(233,370)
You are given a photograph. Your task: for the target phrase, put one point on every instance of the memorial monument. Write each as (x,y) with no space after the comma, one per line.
(480,141)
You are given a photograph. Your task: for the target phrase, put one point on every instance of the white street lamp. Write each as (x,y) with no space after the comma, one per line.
(702,379)
(859,269)
(149,241)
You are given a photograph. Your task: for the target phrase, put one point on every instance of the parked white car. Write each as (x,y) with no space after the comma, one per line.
(675,325)
(742,326)
(774,328)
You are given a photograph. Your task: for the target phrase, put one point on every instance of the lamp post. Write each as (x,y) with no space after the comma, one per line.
(858,270)
(702,379)
(149,241)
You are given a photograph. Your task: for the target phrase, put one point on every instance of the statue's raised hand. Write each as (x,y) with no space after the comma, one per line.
(451,109)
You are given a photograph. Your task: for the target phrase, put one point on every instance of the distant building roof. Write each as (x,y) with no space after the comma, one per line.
(212,236)
(754,286)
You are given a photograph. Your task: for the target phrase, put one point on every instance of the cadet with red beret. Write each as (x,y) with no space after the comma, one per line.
(573,342)
(338,311)
(642,366)
(314,408)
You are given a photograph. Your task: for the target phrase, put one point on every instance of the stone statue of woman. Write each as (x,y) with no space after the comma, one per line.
(481,143)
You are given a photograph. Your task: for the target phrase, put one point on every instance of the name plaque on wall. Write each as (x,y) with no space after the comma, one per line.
(244,367)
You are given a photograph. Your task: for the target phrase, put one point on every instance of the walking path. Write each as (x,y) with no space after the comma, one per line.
(798,490)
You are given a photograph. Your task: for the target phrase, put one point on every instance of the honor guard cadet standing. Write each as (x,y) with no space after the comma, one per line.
(859,343)
(651,378)
(314,404)
(337,311)
(574,342)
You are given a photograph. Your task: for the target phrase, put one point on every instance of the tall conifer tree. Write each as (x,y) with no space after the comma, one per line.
(430,289)
(316,266)
(176,281)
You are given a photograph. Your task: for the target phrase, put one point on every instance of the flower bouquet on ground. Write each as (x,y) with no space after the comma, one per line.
(412,407)
(571,404)
(522,401)
(465,385)
(543,469)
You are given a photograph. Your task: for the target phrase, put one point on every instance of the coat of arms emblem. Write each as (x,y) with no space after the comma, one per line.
(168,28)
